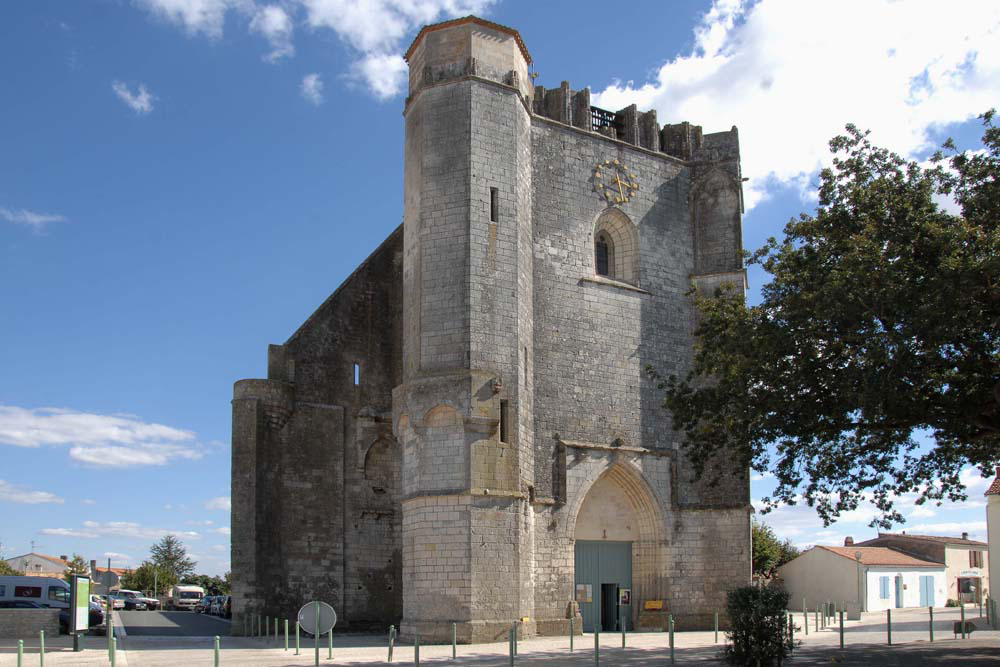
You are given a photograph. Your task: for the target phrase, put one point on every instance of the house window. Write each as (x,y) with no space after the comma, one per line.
(883,588)
(975,559)
(616,247)
(494,205)
(357,374)
(503,421)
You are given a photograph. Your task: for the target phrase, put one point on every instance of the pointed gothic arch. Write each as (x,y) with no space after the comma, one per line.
(616,247)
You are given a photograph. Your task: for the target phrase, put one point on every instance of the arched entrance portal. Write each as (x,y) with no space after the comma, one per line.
(618,535)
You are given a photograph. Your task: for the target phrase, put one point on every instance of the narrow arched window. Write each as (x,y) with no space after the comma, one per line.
(601,253)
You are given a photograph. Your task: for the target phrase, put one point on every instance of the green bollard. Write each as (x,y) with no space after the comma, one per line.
(20,651)
(296,636)
(454,640)
(597,647)
(329,646)
(244,625)
(286,634)
(275,631)
(392,640)
(267,629)
(515,638)
(216,651)
(716,640)
(623,632)
(510,646)
(671,619)
(816,620)
(791,633)
(416,648)
(841,630)
(114,649)
(572,631)
(41,648)
(805,620)
(963,620)
(930,626)
(888,625)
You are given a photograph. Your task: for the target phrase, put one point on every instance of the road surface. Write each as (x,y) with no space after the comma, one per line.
(172,624)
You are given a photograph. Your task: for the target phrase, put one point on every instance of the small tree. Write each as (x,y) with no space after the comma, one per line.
(758,627)
(148,577)
(77,566)
(170,556)
(6,569)
(769,552)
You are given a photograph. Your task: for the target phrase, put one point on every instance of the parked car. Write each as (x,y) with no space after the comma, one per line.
(116,603)
(136,600)
(130,601)
(227,607)
(204,605)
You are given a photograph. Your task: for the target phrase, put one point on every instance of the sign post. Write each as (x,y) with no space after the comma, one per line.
(321,617)
(79,617)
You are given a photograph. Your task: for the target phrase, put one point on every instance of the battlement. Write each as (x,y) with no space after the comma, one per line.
(639,128)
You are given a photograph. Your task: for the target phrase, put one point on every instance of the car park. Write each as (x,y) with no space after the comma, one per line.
(134,600)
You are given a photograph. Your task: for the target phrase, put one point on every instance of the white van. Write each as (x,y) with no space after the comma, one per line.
(183,596)
(46,591)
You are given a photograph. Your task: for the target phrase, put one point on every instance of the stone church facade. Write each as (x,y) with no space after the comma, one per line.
(463,431)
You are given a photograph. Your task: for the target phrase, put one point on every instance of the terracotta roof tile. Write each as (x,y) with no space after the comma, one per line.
(880,556)
(941,539)
(994,489)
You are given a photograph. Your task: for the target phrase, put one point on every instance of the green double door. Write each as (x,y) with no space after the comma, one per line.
(602,568)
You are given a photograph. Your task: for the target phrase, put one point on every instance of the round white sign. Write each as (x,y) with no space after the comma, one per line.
(311,611)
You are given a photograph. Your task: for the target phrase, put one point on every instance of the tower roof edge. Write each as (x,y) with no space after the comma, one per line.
(468,19)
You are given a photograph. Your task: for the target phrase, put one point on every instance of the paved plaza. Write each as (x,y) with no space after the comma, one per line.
(865,644)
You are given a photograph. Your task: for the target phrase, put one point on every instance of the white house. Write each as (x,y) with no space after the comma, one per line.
(39,565)
(863,579)
(993,527)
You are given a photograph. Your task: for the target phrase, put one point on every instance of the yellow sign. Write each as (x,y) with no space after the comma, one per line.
(653,605)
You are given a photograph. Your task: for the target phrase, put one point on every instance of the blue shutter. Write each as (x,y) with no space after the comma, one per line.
(883,588)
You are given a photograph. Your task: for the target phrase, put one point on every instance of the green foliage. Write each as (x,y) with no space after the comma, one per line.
(212,585)
(148,577)
(170,556)
(77,566)
(953,603)
(7,569)
(758,627)
(769,552)
(881,321)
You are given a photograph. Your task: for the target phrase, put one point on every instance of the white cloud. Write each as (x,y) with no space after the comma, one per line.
(200,523)
(220,503)
(114,555)
(312,88)
(384,73)
(196,16)
(16,494)
(223,530)
(950,528)
(274,23)
(791,74)
(30,218)
(67,532)
(375,31)
(141,101)
(130,529)
(89,501)
(100,440)
(220,547)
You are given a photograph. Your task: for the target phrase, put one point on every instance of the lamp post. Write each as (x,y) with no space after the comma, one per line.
(862,599)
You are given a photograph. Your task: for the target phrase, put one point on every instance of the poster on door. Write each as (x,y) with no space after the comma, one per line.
(584,593)
(624,596)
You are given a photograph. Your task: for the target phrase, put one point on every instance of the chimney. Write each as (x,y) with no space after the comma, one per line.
(63,558)
(848,541)
(965,536)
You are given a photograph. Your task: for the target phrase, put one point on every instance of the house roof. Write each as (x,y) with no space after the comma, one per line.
(469,19)
(117,570)
(56,561)
(881,556)
(994,489)
(940,539)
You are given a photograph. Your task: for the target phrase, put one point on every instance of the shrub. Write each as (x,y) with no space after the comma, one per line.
(758,634)
(953,603)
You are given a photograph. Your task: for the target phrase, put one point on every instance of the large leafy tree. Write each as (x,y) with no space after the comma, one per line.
(6,569)
(148,577)
(871,366)
(769,552)
(170,556)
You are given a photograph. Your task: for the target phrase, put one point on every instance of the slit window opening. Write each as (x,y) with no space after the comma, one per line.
(601,254)
(357,374)
(494,204)
(503,421)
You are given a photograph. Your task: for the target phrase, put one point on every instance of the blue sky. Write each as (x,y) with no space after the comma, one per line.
(183,181)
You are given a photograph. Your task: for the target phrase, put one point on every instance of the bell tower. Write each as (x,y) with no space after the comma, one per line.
(463,412)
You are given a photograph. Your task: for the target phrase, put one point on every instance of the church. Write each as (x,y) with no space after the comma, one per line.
(464,432)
